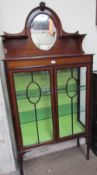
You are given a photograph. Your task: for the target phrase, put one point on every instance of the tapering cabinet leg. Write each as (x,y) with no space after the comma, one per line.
(78,142)
(21,165)
(88,147)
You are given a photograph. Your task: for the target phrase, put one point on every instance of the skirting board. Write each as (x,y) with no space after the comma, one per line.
(43,150)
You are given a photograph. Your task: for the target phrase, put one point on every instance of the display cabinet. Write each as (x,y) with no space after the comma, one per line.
(49,82)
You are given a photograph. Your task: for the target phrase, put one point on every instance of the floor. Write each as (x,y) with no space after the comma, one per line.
(70,161)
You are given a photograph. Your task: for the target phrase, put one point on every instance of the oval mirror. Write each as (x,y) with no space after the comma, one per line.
(43,32)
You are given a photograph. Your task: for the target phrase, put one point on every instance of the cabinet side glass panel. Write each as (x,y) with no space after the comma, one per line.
(33,94)
(82,115)
(71,113)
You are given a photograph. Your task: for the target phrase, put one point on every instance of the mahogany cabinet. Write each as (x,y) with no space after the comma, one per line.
(48,101)
(49,82)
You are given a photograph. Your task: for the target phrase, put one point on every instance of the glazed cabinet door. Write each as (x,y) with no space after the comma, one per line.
(71,100)
(50,104)
(34,98)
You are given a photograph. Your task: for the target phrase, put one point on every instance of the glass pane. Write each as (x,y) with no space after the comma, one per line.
(82,95)
(43,32)
(69,86)
(34,106)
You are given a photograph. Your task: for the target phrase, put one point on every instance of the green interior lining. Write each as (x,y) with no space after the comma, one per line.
(43,107)
(29,134)
(45,113)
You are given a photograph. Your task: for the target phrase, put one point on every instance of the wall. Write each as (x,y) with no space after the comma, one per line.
(75,15)
(7,162)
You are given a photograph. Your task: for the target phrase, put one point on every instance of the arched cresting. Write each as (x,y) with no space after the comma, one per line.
(42,9)
(72,93)
(31,96)
(60,42)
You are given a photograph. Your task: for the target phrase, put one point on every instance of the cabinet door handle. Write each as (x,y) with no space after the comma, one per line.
(53,62)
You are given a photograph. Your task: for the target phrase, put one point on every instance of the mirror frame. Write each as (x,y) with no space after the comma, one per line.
(42,9)
(42,39)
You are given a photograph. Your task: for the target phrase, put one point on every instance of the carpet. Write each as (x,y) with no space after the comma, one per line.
(70,161)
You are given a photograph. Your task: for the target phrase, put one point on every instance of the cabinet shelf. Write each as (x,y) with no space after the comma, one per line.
(33,93)
(29,133)
(45,128)
(45,113)
(36,118)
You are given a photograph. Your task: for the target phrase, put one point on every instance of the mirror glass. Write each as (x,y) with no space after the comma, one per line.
(43,32)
